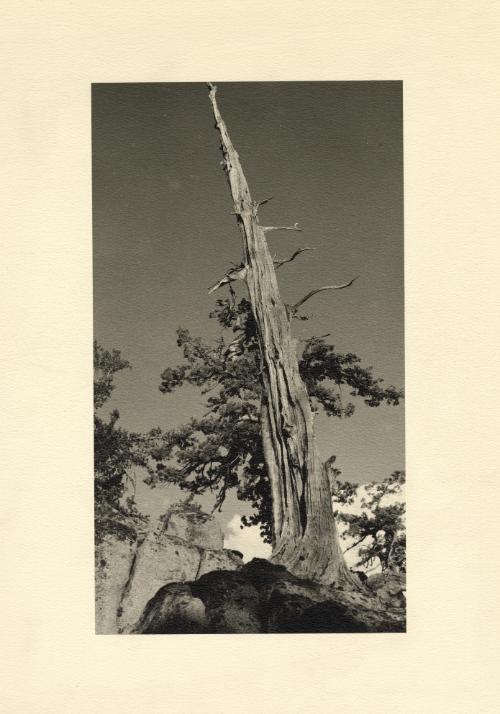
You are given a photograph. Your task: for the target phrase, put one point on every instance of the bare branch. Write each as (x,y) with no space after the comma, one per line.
(295,227)
(295,307)
(236,273)
(265,200)
(358,542)
(309,339)
(278,263)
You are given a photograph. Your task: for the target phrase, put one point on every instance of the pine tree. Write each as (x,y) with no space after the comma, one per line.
(265,399)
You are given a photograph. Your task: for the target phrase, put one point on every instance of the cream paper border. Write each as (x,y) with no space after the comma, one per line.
(447,55)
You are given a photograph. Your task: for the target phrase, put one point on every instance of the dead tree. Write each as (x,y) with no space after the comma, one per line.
(305,534)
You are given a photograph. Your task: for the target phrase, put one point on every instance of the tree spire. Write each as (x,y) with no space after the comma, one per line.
(305,537)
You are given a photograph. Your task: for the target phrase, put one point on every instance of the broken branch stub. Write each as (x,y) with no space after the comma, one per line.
(236,273)
(295,227)
(264,200)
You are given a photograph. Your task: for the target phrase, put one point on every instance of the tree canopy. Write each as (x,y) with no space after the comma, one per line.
(222,449)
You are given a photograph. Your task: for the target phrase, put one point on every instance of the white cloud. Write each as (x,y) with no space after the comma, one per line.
(246,540)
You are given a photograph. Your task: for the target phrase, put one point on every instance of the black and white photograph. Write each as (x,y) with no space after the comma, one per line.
(248,357)
(249,308)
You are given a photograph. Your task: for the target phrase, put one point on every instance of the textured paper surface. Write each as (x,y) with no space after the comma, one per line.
(446,54)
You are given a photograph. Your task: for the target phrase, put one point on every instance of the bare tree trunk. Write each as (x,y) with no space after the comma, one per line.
(305,534)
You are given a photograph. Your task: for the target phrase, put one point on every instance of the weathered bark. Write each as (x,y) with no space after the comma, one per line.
(305,534)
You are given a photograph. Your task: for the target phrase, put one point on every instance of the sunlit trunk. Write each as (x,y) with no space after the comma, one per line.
(305,534)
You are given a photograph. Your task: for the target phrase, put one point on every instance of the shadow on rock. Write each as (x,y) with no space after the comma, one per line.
(262,597)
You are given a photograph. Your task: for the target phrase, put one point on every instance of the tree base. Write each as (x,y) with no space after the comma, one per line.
(320,562)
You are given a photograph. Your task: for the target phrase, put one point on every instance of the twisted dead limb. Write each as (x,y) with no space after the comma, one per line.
(278,263)
(309,295)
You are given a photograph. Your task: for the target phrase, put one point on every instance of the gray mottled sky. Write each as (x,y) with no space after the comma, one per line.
(331,155)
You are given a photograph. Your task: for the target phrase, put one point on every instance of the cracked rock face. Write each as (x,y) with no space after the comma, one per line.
(113,561)
(129,571)
(160,559)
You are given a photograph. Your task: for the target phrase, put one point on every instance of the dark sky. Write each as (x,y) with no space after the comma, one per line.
(331,155)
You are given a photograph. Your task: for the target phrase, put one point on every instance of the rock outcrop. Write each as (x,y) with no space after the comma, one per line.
(261,597)
(114,556)
(178,578)
(132,566)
